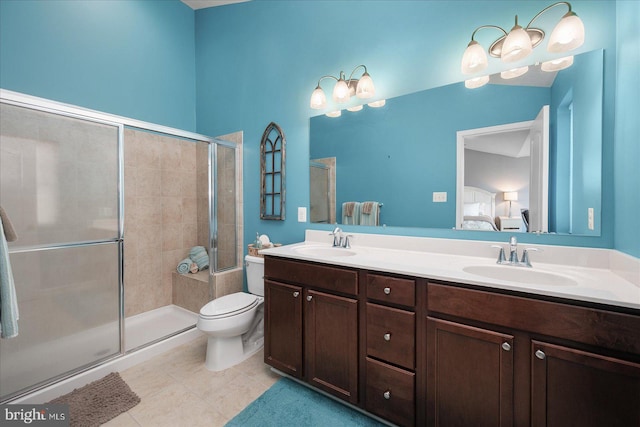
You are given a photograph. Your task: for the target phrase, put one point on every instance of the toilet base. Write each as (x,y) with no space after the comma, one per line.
(223,353)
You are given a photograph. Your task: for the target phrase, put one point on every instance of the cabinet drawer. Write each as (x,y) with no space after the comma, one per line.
(592,326)
(390,393)
(391,335)
(391,289)
(315,275)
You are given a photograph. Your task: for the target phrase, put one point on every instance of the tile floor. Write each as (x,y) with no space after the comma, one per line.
(177,390)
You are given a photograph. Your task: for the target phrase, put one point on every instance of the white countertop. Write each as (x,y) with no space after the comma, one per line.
(590,277)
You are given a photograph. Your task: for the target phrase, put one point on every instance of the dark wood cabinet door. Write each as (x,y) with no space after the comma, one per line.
(570,387)
(469,376)
(331,344)
(283,327)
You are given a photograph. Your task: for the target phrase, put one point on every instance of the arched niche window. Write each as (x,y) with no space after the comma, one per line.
(272,161)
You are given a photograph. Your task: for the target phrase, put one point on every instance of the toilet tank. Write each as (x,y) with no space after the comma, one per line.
(255,274)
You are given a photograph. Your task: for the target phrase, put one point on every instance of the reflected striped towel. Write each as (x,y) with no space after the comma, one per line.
(198,254)
(8,301)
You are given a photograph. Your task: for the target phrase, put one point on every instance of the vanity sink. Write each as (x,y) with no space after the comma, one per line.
(520,275)
(322,251)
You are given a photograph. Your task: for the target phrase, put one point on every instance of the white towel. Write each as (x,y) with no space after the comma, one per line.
(8,301)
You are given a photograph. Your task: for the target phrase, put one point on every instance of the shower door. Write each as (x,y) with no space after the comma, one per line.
(59,184)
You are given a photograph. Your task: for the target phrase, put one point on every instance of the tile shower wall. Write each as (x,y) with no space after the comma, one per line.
(161,176)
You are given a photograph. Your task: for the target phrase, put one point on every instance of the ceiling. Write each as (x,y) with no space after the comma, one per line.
(201,4)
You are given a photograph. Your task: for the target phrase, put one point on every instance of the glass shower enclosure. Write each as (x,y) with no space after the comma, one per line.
(105,208)
(59,177)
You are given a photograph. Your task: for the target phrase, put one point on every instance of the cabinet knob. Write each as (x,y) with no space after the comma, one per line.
(309,297)
(387,395)
(387,291)
(540,354)
(295,294)
(506,346)
(387,336)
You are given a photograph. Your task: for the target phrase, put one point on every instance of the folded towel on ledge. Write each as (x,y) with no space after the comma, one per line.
(8,300)
(194,268)
(184,266)
(198,254)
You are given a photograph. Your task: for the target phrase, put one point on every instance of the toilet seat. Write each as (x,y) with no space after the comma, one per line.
(229,305)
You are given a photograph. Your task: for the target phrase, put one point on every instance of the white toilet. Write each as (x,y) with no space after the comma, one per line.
(234,323)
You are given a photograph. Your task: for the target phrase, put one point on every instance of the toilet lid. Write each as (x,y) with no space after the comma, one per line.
(229,305)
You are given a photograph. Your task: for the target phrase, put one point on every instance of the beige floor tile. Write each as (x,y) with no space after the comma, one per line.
(146,379)
(122,420)
(176,406)
(235,396)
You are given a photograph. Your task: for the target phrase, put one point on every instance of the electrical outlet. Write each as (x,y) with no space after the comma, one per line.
(439,197)
(591,219)
(302,214)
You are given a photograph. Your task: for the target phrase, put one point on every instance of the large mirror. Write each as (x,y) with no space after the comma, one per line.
(422,156)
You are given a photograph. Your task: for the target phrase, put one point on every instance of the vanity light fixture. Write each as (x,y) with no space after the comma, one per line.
(355,108)
(377,104)
(518,43)
(336,113)
(557,64)
(476,82)
(344,89)
(514,72)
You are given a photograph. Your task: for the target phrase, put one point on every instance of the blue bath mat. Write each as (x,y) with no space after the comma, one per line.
(288,403)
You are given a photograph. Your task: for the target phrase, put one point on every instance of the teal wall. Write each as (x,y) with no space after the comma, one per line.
(626,161)
(130,58)
(258,62)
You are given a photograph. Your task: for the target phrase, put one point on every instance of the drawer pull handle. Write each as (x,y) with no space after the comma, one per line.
(387,336)
(387,395)
(540,354)
(506,346)
(309,297)
(295,294)
(387,291)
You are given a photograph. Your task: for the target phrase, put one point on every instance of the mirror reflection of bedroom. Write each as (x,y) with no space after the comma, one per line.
(505,171)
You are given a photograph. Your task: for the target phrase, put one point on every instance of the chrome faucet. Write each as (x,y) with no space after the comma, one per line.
(513,254)
(340,240)
(337,237)
(513,250)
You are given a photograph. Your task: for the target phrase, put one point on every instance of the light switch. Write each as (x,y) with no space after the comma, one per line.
(302,214)
(591,219)
(439,197)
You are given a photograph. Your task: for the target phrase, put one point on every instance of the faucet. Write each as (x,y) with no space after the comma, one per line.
(513,254)
(337,237)
(513,250)
(339,240)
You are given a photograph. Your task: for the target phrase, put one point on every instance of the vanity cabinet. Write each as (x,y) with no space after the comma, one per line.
(469,375)
(311,324)
(419,352)
(390,347)
(574,387)
(499,359)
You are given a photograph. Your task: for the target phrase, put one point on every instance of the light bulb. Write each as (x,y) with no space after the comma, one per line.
(318,99)
(365,88)
(568,34)
(355,108)
(474,58)
(337,113)
(476,82)
(517,44)
(341,91)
